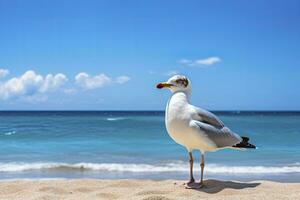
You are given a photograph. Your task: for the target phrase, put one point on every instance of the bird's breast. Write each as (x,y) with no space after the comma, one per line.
(177,120)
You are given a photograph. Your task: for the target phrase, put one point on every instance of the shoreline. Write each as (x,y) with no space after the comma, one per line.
(146,189)
(283,180)
(45,175)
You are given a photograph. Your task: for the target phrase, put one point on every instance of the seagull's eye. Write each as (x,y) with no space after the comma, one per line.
(182,81)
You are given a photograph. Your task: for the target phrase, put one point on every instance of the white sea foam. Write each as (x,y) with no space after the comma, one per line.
(115,118)
(147,168)
(10,133)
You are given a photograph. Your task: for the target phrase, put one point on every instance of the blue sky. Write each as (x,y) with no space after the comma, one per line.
(108,55)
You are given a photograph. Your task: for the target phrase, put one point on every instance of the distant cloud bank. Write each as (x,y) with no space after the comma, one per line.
(206,62)
(32,86)
(31,83)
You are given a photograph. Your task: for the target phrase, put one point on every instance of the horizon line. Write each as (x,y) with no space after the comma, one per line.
(88,110)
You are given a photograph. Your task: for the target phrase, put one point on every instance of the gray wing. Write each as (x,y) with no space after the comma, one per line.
(209,118)
(223,137)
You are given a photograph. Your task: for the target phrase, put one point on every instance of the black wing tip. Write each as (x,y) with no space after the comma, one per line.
(245,139)
(245,144)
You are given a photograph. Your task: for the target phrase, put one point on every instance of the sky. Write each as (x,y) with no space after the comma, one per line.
(109,55)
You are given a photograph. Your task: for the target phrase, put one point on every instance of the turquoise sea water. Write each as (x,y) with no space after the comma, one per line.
(60,144)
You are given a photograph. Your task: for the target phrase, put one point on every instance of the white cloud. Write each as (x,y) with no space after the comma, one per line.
(92,82)
(3,72)
(122,79)
(30,84)
(51,83)
(171,73)
(208,61)
(201,62)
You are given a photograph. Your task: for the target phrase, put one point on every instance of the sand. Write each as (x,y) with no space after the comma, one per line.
(85,189)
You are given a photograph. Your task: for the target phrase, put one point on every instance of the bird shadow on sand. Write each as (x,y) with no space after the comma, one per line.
(215,186)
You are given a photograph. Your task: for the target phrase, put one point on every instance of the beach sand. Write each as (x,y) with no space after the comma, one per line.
(85,189)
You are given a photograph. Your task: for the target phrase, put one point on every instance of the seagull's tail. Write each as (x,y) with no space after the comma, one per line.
(245,144)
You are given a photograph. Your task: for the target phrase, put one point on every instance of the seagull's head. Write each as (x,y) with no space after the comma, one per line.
(176,83)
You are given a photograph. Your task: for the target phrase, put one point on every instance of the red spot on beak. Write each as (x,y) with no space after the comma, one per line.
(159,86)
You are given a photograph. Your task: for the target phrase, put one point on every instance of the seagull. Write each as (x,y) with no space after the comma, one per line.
(196,128)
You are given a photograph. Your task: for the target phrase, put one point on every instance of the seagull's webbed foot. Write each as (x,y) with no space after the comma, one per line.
(195,185)
(192,180)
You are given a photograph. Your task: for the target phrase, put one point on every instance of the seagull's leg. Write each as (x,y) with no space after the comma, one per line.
(191,160)
(202,169)
(192,184)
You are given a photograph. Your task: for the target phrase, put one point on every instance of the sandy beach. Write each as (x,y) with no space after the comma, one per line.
(145,189)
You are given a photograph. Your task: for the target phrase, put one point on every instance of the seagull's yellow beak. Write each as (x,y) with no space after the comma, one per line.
(163,85)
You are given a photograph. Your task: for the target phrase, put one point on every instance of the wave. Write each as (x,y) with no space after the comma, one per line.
(147,168)
(10,133)
(115,118)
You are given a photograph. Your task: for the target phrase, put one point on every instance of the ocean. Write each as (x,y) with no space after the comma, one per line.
(135,144)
